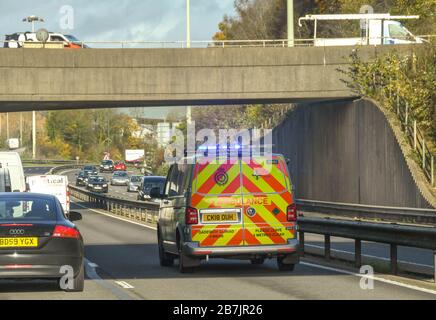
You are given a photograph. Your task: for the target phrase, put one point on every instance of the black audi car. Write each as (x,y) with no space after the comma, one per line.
(37,241)
(97,184)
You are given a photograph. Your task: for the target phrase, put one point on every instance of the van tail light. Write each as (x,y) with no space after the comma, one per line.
(291,213)
(191,216)
(65,232)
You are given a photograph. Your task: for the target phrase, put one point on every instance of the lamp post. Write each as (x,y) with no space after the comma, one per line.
(32,19)
(188,45)
(33,134)
(290,23)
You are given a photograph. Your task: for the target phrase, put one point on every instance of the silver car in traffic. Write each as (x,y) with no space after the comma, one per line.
(134,183)
(120,178)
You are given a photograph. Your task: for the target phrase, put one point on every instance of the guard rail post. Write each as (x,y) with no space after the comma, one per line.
(301,241)
(358,253)
(434,266)
(327,246)
(394,258)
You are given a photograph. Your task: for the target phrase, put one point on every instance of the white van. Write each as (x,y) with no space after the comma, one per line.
(375,29)
(12,161)
(51,184)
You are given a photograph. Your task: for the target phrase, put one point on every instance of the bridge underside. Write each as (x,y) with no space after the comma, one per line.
(22,106)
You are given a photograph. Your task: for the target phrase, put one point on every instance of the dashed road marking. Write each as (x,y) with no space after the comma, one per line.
(124,285)
(93,275)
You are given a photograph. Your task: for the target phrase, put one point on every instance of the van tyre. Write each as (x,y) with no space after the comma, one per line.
(284,266)
(165,259)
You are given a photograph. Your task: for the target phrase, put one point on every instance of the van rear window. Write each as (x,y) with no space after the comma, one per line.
(259,175)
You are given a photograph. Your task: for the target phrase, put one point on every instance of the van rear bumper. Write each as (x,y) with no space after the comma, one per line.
(192,249)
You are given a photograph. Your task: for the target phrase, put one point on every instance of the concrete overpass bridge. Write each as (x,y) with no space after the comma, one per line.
(42,79)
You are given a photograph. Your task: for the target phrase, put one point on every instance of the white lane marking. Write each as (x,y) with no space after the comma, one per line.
(392,282)
(92,274)
(124,285)
(114,217)
(371,256)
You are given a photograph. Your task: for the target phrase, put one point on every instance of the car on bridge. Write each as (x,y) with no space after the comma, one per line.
(220,208)
(37,241)
(97,184)
(23,39)
(147,184)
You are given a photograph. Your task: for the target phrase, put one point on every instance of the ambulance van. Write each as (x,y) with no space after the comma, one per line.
(238,209)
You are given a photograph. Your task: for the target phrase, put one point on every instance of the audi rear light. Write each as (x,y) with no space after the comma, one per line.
(65,232)
(291,213)
(191,216)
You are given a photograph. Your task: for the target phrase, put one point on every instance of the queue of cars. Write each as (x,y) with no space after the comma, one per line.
(92,179)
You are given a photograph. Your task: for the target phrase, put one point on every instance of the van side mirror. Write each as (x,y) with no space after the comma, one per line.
(288,161)
(156,194)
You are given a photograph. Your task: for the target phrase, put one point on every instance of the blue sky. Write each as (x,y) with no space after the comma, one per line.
(114,20)
(120,19)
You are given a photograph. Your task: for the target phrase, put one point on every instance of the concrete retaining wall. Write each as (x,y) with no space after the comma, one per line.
(346,152)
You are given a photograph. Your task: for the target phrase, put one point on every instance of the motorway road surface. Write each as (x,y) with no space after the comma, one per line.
(122,263)
(412,255)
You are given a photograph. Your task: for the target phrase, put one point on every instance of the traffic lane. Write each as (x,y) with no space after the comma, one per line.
(128,252)
(380,250)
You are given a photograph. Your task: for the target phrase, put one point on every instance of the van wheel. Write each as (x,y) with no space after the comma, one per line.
(79,281)
(257,261)
(165,259)
(283,266)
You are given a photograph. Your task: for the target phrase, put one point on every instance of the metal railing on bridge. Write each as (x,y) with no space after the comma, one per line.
(258,43)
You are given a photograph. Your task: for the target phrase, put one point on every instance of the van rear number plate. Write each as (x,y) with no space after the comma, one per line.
(219,217)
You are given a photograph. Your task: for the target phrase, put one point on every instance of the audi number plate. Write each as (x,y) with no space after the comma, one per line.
(18,242)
